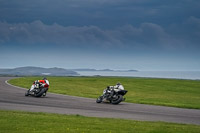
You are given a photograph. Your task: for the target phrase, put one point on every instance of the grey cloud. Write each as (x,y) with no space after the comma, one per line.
(147,35)
(101,13)
(38,32)
(193,24)
(188,31)
(127,36)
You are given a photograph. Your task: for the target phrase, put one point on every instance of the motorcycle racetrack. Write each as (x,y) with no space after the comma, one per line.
(12,98)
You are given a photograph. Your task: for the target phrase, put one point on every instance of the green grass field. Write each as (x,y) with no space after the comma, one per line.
(166,92)
(27,122)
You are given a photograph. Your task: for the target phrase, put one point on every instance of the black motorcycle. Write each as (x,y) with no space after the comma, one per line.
(112,96)
(38,91)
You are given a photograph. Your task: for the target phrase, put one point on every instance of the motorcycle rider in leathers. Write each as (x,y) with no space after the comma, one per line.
(44,83)
(118,87)
(113,89)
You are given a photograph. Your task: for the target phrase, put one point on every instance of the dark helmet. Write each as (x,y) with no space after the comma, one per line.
(44,78)
(118,83)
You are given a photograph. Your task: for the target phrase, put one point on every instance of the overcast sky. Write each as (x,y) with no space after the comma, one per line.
(114,34)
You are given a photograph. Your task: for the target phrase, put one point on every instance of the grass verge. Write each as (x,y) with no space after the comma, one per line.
(166,92)
(24,122)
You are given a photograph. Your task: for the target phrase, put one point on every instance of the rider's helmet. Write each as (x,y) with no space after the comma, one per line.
(44,78)
(118,83)
(108,88)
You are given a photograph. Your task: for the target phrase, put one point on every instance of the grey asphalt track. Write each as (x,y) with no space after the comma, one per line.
(12,98)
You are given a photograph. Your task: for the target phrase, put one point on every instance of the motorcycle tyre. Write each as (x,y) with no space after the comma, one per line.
(27,93)
(120,98)
(99,99)
(39,94)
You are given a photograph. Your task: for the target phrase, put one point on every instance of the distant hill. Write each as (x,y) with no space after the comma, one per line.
(88,69)
(37,71)
(83,69)
(133,70)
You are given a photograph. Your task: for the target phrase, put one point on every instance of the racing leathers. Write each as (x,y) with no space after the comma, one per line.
(113,89)
(118,88)
(44,83)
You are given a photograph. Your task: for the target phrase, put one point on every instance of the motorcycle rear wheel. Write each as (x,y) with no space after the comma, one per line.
(117,100)
(39,94)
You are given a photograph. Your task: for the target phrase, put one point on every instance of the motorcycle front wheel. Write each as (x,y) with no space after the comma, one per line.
(99,99)
(27,93)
